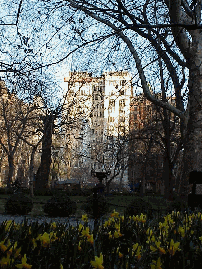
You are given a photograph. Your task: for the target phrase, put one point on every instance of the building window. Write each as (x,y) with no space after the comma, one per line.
(122,119)
(122,103)
(111,119)
(121,130)
(123,82)
(122,92)
(111,105)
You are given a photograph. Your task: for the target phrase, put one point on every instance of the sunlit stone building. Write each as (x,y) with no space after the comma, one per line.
(97,109)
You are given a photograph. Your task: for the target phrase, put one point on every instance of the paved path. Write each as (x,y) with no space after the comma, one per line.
(70,221)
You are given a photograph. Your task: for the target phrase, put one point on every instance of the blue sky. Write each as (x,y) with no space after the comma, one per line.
(45,35)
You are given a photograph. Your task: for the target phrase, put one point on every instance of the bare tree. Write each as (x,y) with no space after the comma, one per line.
(16,116)
(173,31)
(142,33)
(154,132)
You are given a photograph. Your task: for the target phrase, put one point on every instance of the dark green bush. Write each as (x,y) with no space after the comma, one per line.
(60,205)
(76,192)
(138,206)
(4,190)
(87,192)
(43,192)
(25,191)
(18,204)
(178,204)
(96,207)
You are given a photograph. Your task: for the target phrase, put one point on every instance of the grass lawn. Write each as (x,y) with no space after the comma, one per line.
(117,202)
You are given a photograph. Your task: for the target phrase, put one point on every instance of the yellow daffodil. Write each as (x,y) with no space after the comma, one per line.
(115,214)
(173,247)
(17,226)
(34,243)
(142,218)
(8,224)
(111,220)
(110,235)
(90,239)
(135,218)
(156,264)
(106,224)
(24,264)
(137,249)
(14,250)
(150,239)
(5,261)
(138,255)
(53,225)
(52,236)
(84,218)
(86,232)
(181,230)
(153,238)
(97,263)
(79,246)
(120,255)
(3,247)
(44,238)
(30,230)
(17,252)
(117,234)
(153,249)
(117,226)
(149,231)
(158,247)
(80,228)
(135,246)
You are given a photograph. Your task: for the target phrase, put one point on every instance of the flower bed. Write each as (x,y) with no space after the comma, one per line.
(120,242)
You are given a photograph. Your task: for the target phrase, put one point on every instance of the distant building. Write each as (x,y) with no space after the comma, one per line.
(145,167)
(99,109)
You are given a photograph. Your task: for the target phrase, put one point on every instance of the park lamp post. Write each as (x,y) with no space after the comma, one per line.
(98,191)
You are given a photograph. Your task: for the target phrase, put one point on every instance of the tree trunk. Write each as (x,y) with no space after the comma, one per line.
(107,187)
(43,171)
(10,171)
(168,179)
(121,179)
(193,138)
(31,170)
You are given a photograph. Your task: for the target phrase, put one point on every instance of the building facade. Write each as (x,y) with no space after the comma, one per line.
(98,110)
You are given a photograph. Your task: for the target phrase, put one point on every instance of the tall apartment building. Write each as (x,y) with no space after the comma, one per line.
(99,109)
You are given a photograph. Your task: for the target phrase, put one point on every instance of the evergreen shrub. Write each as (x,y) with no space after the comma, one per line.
(43,192)
(98,206)
(138,206)
(60,205)
(19,204)
(178,204)
(86,192)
